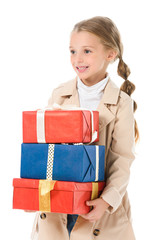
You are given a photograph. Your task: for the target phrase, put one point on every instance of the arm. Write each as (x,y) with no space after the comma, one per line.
(119,159)
(120,156)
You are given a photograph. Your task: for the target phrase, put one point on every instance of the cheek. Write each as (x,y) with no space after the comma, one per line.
(71,60)
(91,60)
(101,61)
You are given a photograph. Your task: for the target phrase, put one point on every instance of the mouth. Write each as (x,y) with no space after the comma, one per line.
(81,68)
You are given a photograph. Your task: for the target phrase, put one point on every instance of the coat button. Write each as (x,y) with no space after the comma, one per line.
(64,221)
(43,216)
(96,232)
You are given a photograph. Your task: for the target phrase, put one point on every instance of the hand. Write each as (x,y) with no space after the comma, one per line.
(99,207)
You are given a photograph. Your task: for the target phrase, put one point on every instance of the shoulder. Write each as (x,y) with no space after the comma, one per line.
(64,84)
(123,100)
(126,103)
(122,96)
(122,105)
(65,87)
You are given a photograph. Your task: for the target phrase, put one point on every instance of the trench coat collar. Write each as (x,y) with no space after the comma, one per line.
(107,107)
(110,96)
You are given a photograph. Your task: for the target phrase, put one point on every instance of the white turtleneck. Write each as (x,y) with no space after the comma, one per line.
(90,96)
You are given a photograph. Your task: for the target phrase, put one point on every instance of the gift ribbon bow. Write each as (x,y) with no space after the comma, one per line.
(55,106)
(45,187)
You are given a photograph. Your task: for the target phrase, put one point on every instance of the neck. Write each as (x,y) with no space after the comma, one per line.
(93,80)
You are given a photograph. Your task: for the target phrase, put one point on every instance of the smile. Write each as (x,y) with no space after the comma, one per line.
(81,68)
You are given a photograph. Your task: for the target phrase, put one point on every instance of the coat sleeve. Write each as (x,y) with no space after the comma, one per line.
(56,96)
(120,155)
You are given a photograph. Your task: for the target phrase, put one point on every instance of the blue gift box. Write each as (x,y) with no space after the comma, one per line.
(78,163)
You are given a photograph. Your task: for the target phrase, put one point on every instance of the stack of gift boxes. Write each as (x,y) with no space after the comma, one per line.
(60,167)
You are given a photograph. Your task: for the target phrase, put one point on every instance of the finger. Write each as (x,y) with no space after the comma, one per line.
(91,203)
(91,220)
(84,216)
(89,215)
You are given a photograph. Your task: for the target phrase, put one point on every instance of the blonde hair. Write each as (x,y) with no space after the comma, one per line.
(109,35)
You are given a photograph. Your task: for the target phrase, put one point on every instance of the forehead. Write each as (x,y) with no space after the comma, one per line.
(84,38)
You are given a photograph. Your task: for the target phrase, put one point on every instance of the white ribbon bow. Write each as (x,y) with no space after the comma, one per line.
(55,106)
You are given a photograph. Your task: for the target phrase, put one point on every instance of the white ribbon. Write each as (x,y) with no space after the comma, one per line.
(55,106)
(97,162)
(41,126)
(50,161)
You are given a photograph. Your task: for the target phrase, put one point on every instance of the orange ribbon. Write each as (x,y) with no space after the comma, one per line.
(94,194)
(45,186)
(94,190)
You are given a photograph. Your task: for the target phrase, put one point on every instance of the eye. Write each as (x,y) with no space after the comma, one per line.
(72,52)
(87,51)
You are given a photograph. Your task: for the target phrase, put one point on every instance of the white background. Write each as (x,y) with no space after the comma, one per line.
(34,58)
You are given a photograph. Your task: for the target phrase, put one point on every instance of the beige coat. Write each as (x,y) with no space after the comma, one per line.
(116,126)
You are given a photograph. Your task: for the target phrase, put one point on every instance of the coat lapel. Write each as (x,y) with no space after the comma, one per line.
(107,106)
(70,93)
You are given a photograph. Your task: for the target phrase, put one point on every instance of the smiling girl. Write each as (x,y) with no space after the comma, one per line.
(89,57)
(94,44)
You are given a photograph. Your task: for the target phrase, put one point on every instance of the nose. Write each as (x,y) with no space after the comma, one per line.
(79,58)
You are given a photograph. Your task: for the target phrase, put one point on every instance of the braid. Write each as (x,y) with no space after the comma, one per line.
(123,70)
(127,87)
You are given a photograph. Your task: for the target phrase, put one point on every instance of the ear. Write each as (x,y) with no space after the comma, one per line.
(111,55)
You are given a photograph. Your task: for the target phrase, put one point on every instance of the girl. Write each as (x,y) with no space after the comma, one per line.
(94,44)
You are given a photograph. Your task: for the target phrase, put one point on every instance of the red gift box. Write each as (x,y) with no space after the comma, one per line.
(54,196)
(60,126)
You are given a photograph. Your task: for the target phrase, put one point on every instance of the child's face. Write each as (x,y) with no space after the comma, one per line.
(88,57)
